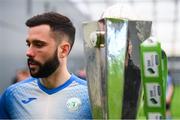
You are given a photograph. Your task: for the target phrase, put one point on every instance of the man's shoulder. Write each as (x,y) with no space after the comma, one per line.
(19,85)
(79,80)
(76,83)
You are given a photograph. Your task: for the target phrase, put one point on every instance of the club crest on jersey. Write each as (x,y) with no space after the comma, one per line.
(73,104)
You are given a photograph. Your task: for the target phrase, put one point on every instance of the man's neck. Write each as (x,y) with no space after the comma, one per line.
(58,78)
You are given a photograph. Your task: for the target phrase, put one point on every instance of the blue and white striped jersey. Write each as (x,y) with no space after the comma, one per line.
(29,99)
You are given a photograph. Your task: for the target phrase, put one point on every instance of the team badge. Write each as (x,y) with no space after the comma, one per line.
(73,104)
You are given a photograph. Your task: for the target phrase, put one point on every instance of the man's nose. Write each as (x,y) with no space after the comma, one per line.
(30,52)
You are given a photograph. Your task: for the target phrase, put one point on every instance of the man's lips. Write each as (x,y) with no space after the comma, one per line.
(32,63)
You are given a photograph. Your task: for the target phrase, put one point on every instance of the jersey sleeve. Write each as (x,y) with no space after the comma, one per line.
(3,111)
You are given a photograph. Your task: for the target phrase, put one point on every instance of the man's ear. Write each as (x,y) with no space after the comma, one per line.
(64,49)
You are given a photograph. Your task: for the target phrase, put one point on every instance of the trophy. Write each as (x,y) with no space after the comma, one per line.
(112,52)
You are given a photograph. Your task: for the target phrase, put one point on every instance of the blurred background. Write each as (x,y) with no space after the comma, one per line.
(165,15)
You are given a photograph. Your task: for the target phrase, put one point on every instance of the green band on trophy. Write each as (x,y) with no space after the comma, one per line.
(154,75)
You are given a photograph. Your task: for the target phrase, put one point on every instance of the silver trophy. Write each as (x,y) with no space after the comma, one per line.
(113,66)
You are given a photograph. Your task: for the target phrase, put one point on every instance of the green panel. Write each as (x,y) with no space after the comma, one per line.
(154,75)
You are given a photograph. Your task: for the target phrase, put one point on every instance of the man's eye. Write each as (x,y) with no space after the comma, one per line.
(27,44)
(39,45)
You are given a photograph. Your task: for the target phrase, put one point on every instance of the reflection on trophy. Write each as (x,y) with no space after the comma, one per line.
(113,64)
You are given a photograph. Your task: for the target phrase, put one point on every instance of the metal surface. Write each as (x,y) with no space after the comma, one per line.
(112,66)
(116,51)
(95,59)
(138,31)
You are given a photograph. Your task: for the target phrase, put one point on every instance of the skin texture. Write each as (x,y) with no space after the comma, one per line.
(43,47)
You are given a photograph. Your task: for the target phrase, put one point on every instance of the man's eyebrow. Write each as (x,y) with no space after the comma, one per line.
(35,40)
(38,41)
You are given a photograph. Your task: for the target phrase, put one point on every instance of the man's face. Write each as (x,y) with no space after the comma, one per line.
(42,52)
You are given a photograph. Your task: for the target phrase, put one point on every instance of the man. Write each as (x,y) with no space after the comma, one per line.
(52,92)
(21,74)
(169,95)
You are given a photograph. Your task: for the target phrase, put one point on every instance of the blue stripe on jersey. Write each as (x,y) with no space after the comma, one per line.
(80,81)
(54,90)
(67,83)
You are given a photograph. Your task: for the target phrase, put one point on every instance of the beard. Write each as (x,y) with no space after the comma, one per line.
(46,69)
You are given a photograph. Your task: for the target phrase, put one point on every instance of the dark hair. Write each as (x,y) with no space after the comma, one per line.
(57,22)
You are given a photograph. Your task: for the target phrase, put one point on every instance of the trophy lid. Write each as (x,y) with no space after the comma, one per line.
(122,11)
